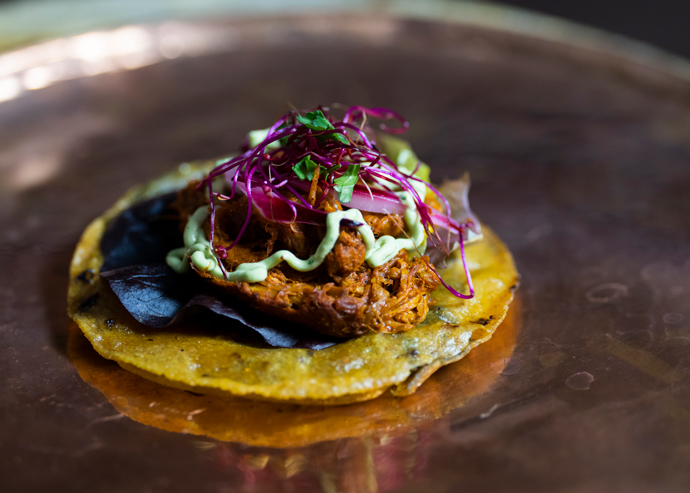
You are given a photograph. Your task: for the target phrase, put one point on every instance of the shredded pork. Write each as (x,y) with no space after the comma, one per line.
(344,296)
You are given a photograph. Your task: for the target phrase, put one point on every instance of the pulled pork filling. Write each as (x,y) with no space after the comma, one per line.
(344,296)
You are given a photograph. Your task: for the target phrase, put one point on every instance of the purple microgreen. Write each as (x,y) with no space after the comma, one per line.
(344,154)
(299,197)
(468,277)
(379,113)
(326,190)
(357,130)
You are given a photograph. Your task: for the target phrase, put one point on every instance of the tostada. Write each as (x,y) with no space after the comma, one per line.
(318,266)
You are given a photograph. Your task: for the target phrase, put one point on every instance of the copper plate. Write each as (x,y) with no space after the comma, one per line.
(580,160)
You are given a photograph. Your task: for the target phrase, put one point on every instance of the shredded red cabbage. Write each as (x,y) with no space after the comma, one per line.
(317,141)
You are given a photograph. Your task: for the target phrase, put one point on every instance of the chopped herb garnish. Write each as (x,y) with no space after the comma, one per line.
(345,184)
(333,154)
(305,169)
(315,120)
(339,137)
(324,172)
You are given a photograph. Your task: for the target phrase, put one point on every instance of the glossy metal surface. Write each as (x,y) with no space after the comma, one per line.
(580,161)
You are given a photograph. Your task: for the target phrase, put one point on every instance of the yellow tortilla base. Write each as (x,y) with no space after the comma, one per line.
(204,360)
(279,425)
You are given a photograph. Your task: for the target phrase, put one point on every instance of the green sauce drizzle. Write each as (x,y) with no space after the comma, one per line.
(378,251)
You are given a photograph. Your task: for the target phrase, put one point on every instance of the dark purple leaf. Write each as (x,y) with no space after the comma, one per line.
(134,248)
(152,293)
(142,234)
(158,297)
(275,332)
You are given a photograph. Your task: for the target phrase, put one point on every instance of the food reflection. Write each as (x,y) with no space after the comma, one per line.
(350,465)
(267,424)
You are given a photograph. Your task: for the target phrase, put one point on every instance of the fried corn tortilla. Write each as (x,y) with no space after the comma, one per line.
(200,358)
(276,425)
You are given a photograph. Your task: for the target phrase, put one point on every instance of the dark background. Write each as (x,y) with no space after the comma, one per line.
(663,23)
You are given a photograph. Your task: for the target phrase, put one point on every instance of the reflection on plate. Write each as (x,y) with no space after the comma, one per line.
(285,425)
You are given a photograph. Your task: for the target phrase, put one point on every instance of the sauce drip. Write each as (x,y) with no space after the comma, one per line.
(378,251)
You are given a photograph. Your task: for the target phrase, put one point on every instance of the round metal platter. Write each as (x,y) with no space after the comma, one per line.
(580,160)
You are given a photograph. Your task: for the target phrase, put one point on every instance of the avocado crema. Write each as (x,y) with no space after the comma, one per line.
(378,251)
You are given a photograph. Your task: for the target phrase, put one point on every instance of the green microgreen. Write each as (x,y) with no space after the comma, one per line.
(306,167)
(345,184)
(317,121)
